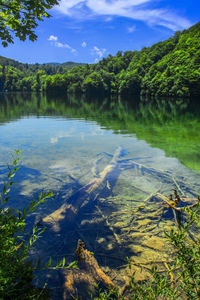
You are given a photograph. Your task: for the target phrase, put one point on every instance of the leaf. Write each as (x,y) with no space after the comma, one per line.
(49,263)
(16,169)
(5,189)
(15,162)
(72,265)
(63,262)
(11,175)
(40,196)
(59,264)
(6,199)
(18,152)
(24,211)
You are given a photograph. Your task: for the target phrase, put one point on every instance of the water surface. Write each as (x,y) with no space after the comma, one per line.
(66,142)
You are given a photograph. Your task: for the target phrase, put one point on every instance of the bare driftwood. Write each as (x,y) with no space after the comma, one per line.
(89,192)
(79,282)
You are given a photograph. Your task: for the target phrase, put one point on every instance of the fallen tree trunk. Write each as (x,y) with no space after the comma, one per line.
(89,192)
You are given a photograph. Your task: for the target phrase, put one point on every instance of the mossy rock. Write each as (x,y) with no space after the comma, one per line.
(148,256)
(143,222)
(119,225)
(136,249)
(138,235)
(155,243)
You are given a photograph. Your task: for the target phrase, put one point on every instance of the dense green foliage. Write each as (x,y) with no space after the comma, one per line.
(15,76)
(168,68)
(19,18)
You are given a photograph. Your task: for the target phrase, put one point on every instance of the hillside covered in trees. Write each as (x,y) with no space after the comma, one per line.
(16,76)
(168,68)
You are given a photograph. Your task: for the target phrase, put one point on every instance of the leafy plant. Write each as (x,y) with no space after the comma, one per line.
(16,268)
(20,18)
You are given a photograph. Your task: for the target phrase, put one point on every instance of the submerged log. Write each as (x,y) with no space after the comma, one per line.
(87,193)
(78,283)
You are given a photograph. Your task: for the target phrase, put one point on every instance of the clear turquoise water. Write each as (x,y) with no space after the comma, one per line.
(65,143)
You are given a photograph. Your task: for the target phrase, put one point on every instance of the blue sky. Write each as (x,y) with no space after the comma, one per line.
(87,30)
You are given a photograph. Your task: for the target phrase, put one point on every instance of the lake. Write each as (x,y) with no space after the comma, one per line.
(66,142)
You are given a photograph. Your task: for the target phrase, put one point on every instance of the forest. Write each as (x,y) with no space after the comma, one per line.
(121,219)
(169,68)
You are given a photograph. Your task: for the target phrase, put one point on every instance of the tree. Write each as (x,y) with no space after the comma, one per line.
(19,18)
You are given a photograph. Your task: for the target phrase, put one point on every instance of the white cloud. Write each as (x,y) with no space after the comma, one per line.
(108,19)
(132,9)
(99,51)
(131,29)
(84,44)
(61,45)
(54,140)
(61,135)
(65,6)
(53,38)
(97,131)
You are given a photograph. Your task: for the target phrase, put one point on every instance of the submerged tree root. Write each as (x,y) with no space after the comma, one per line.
(79,283)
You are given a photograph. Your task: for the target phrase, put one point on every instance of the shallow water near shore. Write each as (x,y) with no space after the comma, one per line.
(67,142)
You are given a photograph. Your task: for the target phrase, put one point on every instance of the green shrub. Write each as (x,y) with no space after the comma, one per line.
(16,271)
